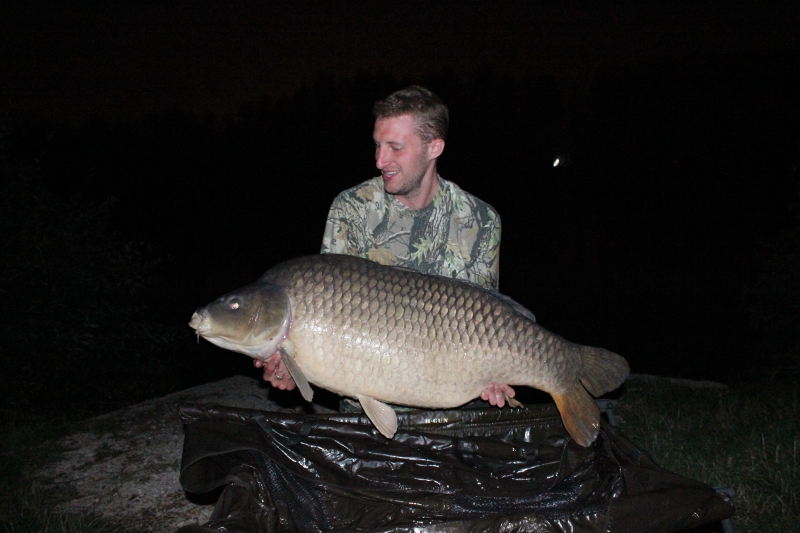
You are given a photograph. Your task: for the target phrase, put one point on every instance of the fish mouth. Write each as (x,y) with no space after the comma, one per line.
(199,324)
(196,321)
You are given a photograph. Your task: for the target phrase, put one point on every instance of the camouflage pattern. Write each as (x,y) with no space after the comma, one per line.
(456,235)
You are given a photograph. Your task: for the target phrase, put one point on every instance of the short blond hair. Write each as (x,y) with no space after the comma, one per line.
(430,114)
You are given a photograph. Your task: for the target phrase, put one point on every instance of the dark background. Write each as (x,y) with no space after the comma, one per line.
(157,155)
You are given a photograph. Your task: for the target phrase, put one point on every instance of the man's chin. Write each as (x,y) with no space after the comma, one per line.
(395,189)
(391,190)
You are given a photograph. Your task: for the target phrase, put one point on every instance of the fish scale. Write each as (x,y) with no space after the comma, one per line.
(390,335)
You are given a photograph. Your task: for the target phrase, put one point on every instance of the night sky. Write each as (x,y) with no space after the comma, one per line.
(127,58)
(224,131)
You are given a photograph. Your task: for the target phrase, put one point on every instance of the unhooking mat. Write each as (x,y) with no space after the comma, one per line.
(466,470)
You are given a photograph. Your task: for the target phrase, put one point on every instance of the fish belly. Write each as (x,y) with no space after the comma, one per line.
(399,374)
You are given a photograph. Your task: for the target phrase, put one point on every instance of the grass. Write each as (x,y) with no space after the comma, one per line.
(744,437)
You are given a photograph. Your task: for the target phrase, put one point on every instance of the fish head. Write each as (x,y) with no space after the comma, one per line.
(253,320)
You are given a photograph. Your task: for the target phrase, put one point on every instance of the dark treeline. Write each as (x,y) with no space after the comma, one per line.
(652,238)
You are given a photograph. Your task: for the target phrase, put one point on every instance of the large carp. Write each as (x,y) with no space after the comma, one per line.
(385,334)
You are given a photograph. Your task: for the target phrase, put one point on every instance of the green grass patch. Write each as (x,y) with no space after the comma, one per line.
(745,437)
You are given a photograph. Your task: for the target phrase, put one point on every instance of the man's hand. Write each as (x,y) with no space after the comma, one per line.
(497,394)
(275,372)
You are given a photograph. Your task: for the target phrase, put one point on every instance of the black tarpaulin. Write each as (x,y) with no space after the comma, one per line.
(470,470)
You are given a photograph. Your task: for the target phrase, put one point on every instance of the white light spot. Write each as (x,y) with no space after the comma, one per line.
(556,162)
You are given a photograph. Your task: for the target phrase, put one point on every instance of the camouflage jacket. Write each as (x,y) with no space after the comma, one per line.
(456,235)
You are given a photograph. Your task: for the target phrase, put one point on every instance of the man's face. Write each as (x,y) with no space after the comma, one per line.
(400,154)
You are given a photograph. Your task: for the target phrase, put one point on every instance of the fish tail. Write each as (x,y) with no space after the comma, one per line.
(580,415)
(602,371)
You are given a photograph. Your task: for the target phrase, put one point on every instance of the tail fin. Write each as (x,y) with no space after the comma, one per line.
(603,371)
(580,415)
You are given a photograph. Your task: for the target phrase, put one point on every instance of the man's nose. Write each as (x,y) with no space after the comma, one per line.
(380,157)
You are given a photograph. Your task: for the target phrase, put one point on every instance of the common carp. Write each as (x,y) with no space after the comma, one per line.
(385,334)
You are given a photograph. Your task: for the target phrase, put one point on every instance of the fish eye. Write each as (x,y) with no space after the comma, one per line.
(234,304)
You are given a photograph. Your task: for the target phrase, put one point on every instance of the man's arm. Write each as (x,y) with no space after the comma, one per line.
(330,243)
(334,241)
(479,241)
(484,268)
(341,236)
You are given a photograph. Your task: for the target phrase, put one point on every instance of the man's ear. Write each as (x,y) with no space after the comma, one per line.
(435,148)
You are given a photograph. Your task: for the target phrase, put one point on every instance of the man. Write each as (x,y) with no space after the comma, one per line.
(410,216)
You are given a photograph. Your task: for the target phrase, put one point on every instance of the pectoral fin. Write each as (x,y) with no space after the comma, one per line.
(383,416)
(287,354)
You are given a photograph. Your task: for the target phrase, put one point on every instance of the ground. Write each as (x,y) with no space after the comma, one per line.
(124,466)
